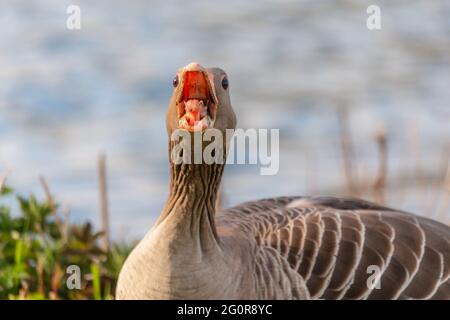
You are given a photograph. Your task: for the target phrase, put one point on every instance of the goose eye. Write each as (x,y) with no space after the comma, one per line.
(175,81)
(225,83)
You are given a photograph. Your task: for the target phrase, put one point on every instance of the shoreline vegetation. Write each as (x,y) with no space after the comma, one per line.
(45,256)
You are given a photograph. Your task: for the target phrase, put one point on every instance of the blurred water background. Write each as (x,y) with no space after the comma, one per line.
(67,95)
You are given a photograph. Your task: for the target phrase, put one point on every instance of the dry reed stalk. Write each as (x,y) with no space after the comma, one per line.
(52,203)
(48,195)
(347,149)
(103,193)
(379,185)
(66,222)
(3,178)
(57,278)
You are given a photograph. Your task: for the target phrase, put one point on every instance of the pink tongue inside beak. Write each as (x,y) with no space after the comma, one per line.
(195,111)
(195,101)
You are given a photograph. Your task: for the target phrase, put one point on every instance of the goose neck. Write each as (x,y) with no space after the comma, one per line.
(190,208)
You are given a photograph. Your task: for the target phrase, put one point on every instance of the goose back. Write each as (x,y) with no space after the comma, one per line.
(344,248)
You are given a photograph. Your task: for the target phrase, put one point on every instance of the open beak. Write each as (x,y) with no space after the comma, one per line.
(197,102)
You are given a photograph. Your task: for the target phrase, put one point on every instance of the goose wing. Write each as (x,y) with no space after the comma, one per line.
(351,249)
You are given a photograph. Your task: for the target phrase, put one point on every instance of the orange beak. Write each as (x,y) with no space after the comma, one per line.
(196,111)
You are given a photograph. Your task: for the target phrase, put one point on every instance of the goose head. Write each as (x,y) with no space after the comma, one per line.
(200,100)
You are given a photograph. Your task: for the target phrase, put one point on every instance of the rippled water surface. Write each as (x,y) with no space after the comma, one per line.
(67,95)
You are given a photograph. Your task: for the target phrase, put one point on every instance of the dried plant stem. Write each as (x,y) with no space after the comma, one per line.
(380,181)
(347,152)
(48,195)
(51,202)
(3,178)
(66,222)
(103,193)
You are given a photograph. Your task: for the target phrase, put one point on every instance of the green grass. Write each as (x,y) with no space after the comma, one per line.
(36,247)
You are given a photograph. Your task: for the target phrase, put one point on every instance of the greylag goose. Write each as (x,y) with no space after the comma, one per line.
(279,248)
